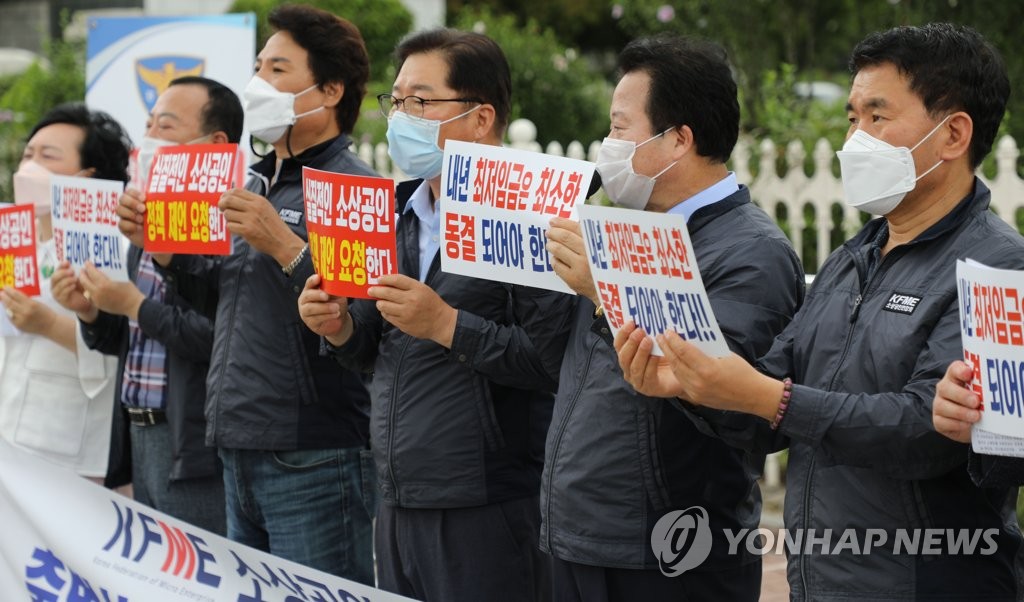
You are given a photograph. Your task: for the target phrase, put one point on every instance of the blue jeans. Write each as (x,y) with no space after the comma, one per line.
(313,507)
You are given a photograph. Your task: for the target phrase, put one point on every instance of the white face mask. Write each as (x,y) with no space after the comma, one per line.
(876,175)
(32,187)
(144,160)
(268,111)
(625,187)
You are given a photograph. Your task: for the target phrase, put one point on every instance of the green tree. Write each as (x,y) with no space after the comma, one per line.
(552,86)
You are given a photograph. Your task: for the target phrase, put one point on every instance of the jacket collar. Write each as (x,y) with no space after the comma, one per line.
(705,215)
(316,156)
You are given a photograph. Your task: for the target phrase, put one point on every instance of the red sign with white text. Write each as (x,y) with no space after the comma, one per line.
(351,224)
(18,267)
(185,184)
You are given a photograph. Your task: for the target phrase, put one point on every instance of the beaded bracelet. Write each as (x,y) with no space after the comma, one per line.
(787,391)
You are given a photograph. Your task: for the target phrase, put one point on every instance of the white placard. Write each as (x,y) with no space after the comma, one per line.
(85,224)
(645,269)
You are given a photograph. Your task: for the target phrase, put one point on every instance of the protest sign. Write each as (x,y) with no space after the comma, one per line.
(85,220)
(645,269)
(351,224)
(184,186)
(496,205)
(992,331)
(18,267)
(68,539)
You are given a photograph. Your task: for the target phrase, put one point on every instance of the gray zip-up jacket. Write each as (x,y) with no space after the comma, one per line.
(269,385)
(866,350)
(464,426)
(617,461)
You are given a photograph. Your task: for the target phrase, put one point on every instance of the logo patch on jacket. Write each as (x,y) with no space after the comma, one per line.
(902,303)
(291,216)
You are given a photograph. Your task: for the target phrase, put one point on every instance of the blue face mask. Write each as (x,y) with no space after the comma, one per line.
(412,144)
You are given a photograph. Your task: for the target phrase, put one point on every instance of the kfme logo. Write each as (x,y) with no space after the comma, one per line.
(681,540)
(184,556)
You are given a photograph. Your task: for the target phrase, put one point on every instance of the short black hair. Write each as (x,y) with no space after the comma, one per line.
(691,84)
(222,112)
(950,68)
(105,146)
(477,67)
(337,53)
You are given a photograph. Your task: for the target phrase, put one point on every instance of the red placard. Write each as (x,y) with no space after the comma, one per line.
(351,225)
(18,267)
(184,187)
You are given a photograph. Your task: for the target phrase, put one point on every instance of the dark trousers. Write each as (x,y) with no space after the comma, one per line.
(574,582)
(463,554)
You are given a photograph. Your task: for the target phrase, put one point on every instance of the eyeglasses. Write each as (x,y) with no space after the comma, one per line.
(412,105)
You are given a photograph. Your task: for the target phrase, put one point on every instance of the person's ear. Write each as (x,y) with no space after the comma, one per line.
(333,93)
(960,132)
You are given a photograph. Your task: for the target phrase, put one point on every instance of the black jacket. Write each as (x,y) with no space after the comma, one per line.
(269,386)
(617,461)
(187,334)
(465,426)
(863,453)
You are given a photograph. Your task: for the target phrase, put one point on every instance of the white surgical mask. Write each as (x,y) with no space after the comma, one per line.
(877,175)
(32,186)
(144,159)
(625,187)
(412,143)
(268,111)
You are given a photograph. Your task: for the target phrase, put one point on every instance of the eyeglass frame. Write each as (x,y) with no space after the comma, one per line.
(398,104)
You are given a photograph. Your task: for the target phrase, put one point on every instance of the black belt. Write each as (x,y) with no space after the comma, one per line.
(146,416)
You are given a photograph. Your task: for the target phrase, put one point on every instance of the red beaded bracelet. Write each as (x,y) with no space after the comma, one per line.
(787,391)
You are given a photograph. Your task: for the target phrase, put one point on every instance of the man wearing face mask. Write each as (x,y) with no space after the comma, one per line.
(848,386)
(161,340)
(56,394)
(463,368)
(674,121)
(289,425)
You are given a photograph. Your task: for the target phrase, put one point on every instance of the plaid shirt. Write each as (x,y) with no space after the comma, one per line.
(145,368)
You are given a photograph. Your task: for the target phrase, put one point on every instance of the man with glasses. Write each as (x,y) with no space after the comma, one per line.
(464,369)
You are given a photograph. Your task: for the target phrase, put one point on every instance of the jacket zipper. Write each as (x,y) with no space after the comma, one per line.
(392,411)
(561,432)
(865,286)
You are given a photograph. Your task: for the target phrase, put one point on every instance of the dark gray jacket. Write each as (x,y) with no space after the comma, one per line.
(187,334)
(863,452)
(465,426)
(616,460)
(269,387)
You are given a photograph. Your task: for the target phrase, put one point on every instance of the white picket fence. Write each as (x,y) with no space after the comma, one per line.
(789,194)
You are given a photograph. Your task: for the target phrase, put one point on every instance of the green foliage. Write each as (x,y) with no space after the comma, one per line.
(382,23)
(26,97)
(551,85)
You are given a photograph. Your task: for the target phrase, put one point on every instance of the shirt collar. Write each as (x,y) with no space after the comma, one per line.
(419,203)
(724,188)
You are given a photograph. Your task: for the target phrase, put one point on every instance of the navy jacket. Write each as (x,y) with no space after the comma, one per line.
(465,426)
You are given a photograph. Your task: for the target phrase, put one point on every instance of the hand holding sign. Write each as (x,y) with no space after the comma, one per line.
(131,213)
(415,309)
(27,314)
(252,217)
(119,298)
(324,314)
(569,257)
(68,291)
(956,408)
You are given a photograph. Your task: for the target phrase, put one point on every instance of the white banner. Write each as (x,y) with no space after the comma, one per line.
(645,269)
(497,204)
(85,220)
(68,539)
(992,331)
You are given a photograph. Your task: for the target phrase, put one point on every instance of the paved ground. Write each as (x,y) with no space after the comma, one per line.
(774,587)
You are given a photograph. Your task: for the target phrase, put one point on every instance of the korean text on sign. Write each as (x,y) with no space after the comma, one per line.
(18,267)
(85,220)
(184,187)
(645,270)
(992,331)
(351,224)
(496,206)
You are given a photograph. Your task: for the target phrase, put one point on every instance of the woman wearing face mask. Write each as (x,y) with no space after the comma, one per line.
(56,395)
